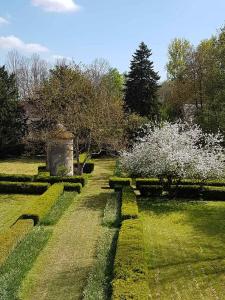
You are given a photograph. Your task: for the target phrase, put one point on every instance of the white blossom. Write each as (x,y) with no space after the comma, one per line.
(176,150)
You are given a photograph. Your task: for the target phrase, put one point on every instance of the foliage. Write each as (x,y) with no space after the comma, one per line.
(150,190)
(45,202)
(16,177)
(177,151)
(130,268)
(73,187)
(213,193)
(55,179)
(12,123)
(119,181)
(184,191)
(23,187)
(129,208)
(141,84)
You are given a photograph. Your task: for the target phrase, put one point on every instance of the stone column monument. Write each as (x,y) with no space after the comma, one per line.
(60,152)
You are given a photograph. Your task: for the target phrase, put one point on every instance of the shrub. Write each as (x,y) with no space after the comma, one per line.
(150,190)
(215,182)
(73,187)
(42,169)
(119,182)
(56,179)
(23,187)
(129,208)
(130,266)
(45,202)
(213,193)
(16,178)
(186,191)
(10,238)
(146,181)
(88,167)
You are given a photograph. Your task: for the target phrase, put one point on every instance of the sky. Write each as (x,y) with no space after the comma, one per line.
(88,29)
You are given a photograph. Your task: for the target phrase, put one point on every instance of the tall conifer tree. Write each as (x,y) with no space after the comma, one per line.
(141,84)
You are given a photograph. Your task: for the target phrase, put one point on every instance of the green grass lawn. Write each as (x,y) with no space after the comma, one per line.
(12,207)
(185,249)
(20,166)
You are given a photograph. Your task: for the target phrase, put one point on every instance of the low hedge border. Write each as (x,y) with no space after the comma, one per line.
(213,193)
(129,208)
(186,191)
(57,179)
(11,238)
(72,187)
(130,269)
(151,190)
(88,167)
(45,202)
(36,188)
(119,181)
(16,178)
(146,181)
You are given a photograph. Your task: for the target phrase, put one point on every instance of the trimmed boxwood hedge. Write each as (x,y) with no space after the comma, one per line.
(36,188)
(119,181)
(45,202)
(16,178)
(213,193)
(88,167)
(129,208)
(56,179)
(146,181)
(130,268)
(72,187)
(150,190)
(186,191)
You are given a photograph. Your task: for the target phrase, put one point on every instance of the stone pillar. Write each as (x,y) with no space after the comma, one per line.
(60,153)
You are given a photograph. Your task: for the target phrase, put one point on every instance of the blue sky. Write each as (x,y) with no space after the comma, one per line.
(89,29)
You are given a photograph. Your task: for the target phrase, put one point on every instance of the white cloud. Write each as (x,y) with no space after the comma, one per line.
(13,42)
(3,21)
(57,5)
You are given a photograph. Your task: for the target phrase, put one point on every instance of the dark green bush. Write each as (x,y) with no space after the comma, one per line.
(213,193)
(185,191)
(150,190)
(42,169)
(73,187)
(130,268)
(56,179)
(88,167)
(129,208)
(117,181)
(23,187)
(146,181)
(16,178)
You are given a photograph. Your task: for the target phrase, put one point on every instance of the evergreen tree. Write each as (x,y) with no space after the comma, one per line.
(12,123)
(141,84)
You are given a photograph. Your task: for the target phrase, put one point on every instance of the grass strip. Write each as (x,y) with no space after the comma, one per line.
(59,208)
(20,261)
(99,281)
(11,237)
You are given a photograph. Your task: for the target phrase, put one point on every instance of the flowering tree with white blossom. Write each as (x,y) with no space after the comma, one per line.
(175,151)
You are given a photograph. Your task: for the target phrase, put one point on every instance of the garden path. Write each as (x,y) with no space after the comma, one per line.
(61,269)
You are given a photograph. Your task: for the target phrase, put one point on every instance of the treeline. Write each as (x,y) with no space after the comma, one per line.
(196,76)
(103,108)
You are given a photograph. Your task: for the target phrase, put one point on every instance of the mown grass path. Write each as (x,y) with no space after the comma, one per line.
(62,268)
